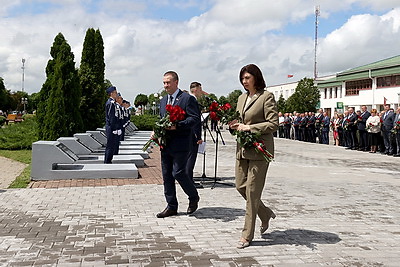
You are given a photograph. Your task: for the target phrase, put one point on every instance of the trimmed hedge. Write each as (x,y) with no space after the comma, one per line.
(145,122)
(20,135)
(2,120)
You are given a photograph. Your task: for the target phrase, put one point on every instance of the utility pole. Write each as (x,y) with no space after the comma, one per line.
(23,73)
(316,41)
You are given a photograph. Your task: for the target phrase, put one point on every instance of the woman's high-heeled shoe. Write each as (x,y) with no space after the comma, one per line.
(264,227)
(243,243)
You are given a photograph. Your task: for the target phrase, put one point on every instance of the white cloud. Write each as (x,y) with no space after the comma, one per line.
(210,48)
(363,39)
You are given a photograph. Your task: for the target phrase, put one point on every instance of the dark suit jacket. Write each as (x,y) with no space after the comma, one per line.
(361,124)
(387,124)
(262,116)
(352,121)
(180,140)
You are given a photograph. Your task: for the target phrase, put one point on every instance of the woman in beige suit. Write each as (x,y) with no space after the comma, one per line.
(258,112)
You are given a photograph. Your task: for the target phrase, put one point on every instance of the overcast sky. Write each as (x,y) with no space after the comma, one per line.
(203,40)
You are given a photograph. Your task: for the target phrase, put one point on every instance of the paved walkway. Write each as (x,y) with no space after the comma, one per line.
(334,207)
(9,170)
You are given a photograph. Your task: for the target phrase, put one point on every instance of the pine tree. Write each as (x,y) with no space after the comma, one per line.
(281,104)
(58,109)
(305,98)
(91,74)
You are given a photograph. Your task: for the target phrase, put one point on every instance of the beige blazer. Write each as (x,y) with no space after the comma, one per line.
(262,116)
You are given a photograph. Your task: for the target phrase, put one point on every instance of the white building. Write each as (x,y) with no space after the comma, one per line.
(373,85)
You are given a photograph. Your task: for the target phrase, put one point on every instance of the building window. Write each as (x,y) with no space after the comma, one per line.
(326,93)
(354,87)
(388,81)
(330,92)
(336,90)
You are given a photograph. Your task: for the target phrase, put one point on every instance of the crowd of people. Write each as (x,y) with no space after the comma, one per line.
(363,130)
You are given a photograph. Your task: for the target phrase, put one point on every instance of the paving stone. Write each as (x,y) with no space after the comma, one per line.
(332,209)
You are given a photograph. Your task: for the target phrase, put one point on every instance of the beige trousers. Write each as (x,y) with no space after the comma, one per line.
(250,180)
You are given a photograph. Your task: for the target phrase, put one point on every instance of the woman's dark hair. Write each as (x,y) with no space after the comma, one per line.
(259,82)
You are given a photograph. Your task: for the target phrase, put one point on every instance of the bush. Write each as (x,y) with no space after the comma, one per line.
(2,120)
(145,122)
(19,135)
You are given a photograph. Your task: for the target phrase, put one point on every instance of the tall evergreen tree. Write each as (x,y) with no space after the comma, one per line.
(281,104)
(4,101)
(60,95)
(305,98)
(91,74)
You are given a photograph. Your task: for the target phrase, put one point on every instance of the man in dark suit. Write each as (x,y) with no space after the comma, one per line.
(302,127)
(113,131)
(175,153)
(387,126)
(352,129)
(396,127)
(196,91)
(361,125)
(325,129)
(311,127)
(318,124)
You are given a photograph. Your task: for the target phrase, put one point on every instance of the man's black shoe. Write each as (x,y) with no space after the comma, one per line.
(396,155)
(166,213)
(193,205)
(389,154)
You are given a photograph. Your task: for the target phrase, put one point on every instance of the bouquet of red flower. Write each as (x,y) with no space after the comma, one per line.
(248,140)
(174,114)
(396,128)
(224,113)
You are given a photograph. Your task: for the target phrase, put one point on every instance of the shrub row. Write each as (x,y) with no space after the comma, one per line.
(145,122)
(19,135)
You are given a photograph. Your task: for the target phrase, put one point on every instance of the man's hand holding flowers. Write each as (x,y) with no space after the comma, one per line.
(167,123)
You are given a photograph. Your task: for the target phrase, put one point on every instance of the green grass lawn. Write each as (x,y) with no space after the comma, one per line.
(24,156)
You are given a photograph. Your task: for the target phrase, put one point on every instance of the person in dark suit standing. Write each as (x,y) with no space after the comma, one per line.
(361,125)
(113,131)
(175,153)
(325,129)
(302,127)
(352,129)
(311,127)
(259,114)
(318,124)
(387,126)
(196,91)
(396,128)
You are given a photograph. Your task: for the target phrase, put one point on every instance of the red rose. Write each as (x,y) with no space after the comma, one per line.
(213,116)
(226,106)
(214,106)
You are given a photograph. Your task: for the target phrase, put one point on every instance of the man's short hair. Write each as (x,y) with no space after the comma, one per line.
(194,85)
(173,74)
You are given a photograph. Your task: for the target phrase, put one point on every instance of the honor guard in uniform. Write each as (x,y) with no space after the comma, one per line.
(121,119)
(127,115)
(112,124)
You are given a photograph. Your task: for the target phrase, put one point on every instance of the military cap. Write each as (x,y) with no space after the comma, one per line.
(111,89)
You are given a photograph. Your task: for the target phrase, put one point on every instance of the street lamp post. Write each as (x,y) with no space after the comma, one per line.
(24,101)
(23,73)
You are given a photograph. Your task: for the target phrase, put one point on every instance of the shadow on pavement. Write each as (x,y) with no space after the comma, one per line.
(219,213)
(298,237)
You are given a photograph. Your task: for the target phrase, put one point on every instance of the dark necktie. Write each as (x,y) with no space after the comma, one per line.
(171,98)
